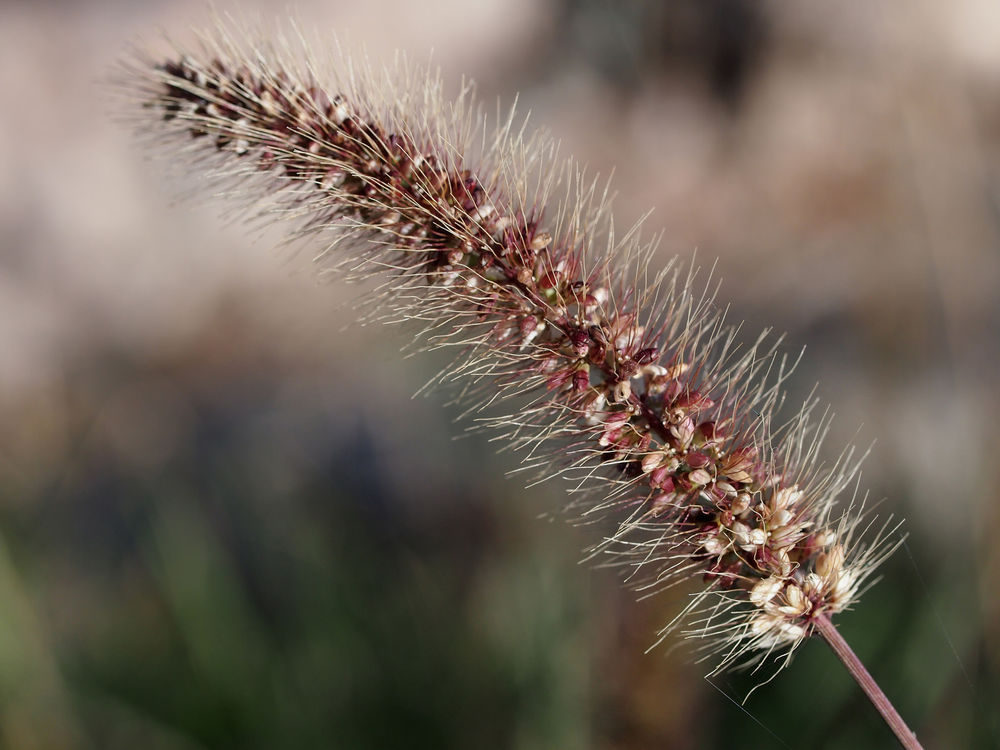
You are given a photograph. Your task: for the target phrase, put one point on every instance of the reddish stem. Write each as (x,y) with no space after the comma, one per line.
(833,637)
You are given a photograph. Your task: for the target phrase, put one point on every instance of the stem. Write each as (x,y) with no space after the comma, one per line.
(833,637)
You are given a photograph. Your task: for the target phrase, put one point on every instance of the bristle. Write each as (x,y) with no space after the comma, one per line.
(632,388)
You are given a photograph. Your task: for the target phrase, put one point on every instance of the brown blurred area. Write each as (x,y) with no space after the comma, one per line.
(225,523)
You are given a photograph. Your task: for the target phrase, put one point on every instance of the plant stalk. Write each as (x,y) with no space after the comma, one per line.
(844,652)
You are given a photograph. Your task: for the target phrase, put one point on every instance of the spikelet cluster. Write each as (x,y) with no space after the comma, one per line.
(630,384)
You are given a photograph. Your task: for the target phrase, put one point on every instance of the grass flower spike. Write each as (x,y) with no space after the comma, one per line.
(626,382)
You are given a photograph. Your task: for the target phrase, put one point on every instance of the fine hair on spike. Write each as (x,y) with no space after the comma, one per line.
(625,381)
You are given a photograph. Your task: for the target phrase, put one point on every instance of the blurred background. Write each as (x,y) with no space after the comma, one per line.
(225,523)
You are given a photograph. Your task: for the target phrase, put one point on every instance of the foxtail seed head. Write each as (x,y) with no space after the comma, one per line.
(633,387)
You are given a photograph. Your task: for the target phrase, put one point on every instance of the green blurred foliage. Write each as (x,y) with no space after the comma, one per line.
(276,575)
